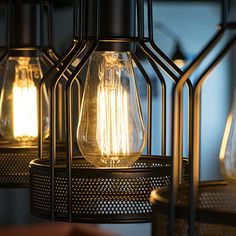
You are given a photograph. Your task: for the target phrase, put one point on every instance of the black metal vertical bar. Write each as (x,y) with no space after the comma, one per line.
(79,97)
(150,26)
(60,66)
(140,16)
(76,32)
(150,19)
(69,149)
(53,146)
(162,81)
(69,120)
(50,18)
(5,47)
(48,77)
(57,77)
(98,19)
(83,16)
(149,101)
(175,78)
(7,23)
(163,101)
(177,121)
(69,108)
(150,54)
(50,27)
(40,120)
(224,10)
(151,37)
(190,130)
(50,24)
(42,20)
(59,112)
(179,72)
(81,13)
(153,57)
(163,107)
(195,162)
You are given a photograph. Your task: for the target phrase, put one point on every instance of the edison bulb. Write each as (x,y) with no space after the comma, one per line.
(18,102)
(110,131)
(228,148)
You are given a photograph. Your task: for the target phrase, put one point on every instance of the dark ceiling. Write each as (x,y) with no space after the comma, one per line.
(59,3)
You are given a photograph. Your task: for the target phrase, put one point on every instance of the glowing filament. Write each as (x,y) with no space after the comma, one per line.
(24,103)
(112,121)
(25,112)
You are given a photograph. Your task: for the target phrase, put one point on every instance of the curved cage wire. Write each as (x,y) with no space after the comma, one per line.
(127,189)
(215,210)
(197,208)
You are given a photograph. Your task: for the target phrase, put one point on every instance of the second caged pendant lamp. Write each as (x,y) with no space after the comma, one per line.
(25,60)
(109,182)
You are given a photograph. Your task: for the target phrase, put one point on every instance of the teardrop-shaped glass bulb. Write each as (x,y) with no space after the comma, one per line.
(228,147)
(110,131)
(18,102)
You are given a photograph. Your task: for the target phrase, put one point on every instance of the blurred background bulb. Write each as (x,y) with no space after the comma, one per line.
(110,131)
(228,147)
(18,102)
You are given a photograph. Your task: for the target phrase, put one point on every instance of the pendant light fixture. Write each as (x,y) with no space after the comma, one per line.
(199,208)
(178,56)
(109,183)
(23,60)
(115,136)
(23,71)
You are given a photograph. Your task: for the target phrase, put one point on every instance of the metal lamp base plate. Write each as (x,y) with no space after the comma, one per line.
(215,213)
(98,195)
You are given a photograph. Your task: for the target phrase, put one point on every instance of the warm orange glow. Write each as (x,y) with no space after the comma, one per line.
(24,103)
(180,62)
(112,120)
(224,141)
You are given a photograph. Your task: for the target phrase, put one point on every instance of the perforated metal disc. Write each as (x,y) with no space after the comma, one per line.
(14,164)
(98,195)
(215,214)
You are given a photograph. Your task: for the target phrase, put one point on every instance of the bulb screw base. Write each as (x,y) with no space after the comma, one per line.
(24,24)
(115,21)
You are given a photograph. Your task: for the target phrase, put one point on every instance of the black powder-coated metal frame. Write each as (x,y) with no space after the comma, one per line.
(28,42)
(214,214)
(82,47)
(192,191)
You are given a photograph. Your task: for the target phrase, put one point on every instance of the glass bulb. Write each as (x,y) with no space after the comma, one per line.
(180,63)
(110,131)
(228,147)
(18,102)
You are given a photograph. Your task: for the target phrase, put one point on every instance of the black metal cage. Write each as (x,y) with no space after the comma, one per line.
(196,208)
(32,40)
(70,189)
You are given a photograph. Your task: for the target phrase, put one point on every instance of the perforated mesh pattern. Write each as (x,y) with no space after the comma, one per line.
(201,229)
(220,201)
(14,165)
(97,195)
(218,217)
